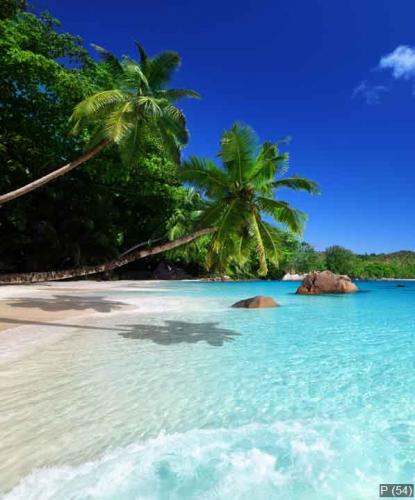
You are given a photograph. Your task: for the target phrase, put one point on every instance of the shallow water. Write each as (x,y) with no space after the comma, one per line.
(310,400)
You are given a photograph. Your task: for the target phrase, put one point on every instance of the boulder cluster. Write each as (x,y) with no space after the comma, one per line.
(326,282)
(314,283)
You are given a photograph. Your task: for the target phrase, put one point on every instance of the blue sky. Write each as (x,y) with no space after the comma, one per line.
(339,77)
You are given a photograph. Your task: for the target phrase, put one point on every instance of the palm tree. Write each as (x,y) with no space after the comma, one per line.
(136,254)
(183,221)
(140,99)
(236,197)
(240,193)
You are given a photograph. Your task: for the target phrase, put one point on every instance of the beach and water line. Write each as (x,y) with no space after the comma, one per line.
(161,390)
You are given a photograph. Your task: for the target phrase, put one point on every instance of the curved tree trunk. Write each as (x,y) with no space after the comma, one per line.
(18,278)
(139,245)
(4,198)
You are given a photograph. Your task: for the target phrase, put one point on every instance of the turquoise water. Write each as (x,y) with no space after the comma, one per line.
(312,400)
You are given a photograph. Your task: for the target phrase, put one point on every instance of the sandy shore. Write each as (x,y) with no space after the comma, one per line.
(32,316)
(46,303)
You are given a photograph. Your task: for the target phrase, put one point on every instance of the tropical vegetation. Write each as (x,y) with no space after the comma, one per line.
(90,214)
(137,201)
(137,103)
(237,197)
(304,258)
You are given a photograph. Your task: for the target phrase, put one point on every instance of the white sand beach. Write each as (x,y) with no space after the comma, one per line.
(38,304)
(31,315)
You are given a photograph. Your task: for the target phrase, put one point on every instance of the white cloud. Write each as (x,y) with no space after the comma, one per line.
(401,61)
(370,93)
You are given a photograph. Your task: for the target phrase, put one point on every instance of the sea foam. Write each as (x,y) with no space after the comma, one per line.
(253,461)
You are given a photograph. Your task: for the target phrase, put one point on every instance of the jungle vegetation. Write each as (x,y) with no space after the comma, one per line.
(124,192)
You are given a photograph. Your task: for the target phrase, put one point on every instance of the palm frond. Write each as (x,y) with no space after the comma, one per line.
(212,213)
(234,252)
(173,95)
(171,141)
(91,107)
(238,147)
(186,216)
(139,102)
(192,198)
(245,248)
(298,184)
(271,238)
(133,76)
(174,121)
(234,255)
(150,106)
(160,69)
(177,226)
(266,160)
(132,144)
(228,224)
(268,163)
(283,213)
(205,176)
(109,59)
(174,113)
(259,245)
(142,53)
(119,122)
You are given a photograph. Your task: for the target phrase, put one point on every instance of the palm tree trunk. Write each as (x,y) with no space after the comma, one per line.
(4,198)
(139,245)
(18,278)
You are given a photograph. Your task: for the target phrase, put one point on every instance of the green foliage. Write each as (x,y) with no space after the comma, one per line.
(304,259)
(94,212)
(9,8)
(339,260)
(393,265)
(136,100)
(98,211)
(185,215)
(238,194)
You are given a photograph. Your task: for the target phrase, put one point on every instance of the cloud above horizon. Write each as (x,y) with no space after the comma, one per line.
(401,62)
(370,93)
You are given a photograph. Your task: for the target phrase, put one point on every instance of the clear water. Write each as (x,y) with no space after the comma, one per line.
(313,400)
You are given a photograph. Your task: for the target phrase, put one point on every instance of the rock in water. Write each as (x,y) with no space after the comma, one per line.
(326,282)
(260,301)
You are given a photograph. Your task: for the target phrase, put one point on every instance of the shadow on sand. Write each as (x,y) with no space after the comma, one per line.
(176,332)
(171,332)
(23,322)
(68,302)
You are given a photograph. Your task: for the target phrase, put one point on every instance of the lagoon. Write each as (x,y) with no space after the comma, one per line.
(187,398)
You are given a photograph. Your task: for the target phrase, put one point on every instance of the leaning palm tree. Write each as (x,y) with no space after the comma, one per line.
(239,194)
(236,196)
(140,99)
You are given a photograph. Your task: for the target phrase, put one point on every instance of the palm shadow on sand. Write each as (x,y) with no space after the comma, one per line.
(68,302)
(176,332)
